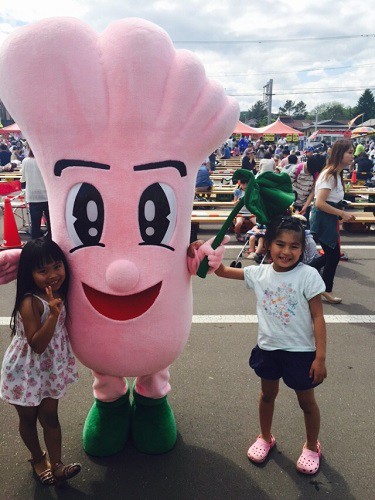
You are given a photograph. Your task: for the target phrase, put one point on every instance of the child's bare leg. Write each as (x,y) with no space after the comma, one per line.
(252,243)
(49,421)
(260,246)
(238,225)
(306,400)
(268,394)
(28,416)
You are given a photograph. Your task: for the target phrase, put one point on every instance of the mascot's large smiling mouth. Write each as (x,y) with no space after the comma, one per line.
(122,307)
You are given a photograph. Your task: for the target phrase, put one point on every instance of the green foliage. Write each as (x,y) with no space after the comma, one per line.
(299,110)
(366,105)
(288,107)
(331,111)
(257,112)
(326,111)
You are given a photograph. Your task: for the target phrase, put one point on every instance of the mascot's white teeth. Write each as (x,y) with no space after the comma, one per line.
(122,307)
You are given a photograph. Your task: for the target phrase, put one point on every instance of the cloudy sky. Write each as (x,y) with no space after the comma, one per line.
(315,51)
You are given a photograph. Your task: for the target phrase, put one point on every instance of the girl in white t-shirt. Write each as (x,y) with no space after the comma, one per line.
(327,210)
(291,334)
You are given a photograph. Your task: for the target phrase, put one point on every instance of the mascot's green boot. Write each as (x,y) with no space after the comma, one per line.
(106,427)
(153,425)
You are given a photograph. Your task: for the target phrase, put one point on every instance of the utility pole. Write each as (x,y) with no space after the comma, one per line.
(267,99)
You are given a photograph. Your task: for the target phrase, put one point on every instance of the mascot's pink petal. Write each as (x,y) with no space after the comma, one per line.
(127,83)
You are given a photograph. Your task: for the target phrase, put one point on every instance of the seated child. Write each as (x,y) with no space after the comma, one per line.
(256,242)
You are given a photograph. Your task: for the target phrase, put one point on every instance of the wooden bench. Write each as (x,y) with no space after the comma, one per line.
(220,193)
(9,176)
(368,206)
(221,168)
(352,194)
(214,203)
(218,177)
(206,217)
(366,219)
(217,217)
(230,162)
(362,223)
(361,191)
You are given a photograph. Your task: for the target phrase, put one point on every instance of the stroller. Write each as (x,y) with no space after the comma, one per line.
(237,263)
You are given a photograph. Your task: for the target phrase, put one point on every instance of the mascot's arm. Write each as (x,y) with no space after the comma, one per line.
(198,250)
(9,265)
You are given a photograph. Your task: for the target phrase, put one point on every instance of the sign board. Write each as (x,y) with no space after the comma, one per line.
(292,137)
(269,137)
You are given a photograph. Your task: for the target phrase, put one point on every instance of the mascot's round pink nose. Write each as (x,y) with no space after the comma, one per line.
(122,276)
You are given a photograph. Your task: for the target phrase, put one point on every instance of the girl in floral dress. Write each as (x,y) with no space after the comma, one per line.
(291,334)
(39,363)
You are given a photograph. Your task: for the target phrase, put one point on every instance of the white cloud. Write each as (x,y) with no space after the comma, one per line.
(303,66)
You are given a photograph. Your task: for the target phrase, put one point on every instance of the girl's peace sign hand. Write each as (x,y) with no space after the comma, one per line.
(55,305)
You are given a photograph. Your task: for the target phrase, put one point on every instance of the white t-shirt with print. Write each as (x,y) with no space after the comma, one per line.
(283,306)
(334,184)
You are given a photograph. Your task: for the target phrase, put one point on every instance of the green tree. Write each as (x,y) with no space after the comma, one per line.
(366,105)
(258,112)
(331,111)
(288,107)
(244,116)
(299,110)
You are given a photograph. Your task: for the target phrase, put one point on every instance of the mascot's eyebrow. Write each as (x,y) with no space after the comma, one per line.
(179,165)
(61,164)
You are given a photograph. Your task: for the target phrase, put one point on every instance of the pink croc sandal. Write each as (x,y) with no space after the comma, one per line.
(258,451)
(309,461)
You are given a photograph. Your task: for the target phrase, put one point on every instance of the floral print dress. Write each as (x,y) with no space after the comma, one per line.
(28,377)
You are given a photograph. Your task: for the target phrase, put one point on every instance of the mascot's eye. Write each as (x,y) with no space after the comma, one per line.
(84,215)
(157,215)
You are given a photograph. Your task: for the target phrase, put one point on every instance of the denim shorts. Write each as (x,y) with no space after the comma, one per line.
(292,367)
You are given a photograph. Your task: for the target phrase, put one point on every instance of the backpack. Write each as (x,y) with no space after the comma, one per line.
(298,171)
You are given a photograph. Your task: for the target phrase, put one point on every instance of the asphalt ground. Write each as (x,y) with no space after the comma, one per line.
(215,395)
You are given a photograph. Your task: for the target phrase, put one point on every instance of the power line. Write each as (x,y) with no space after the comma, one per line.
(270,72)
(316,89)
(287,92)
(274,40)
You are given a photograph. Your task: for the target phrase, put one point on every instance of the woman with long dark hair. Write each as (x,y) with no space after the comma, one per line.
(328,209)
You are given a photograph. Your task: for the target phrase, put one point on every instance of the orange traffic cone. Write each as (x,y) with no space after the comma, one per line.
(353,179)
(10,235)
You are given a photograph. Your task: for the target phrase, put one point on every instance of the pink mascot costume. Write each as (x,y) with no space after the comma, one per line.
(119,124)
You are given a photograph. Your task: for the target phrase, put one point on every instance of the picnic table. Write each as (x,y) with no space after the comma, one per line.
(5,176)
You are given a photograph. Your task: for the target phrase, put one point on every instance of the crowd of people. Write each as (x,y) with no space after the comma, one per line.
(251,152)
(317,179)
(12,153)
(17,154)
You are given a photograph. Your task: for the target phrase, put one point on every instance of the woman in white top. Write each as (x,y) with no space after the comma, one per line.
(36,195)
(266,164)
(327,210)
